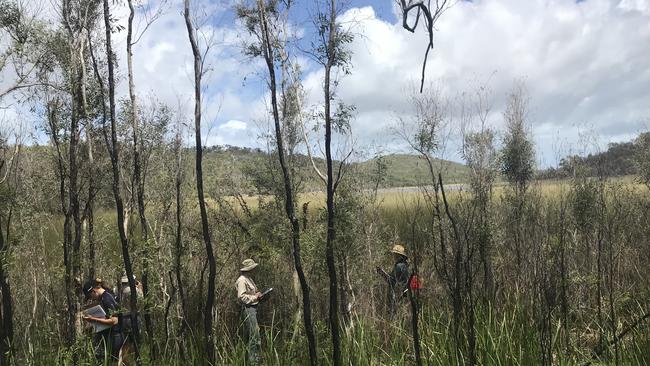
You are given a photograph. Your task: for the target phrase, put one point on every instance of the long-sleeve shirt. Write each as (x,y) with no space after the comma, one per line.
(246,290)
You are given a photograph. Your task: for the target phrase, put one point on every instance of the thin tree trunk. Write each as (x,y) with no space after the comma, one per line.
(115,162)
(6,310)
(70,336)
(208,313)
(138,175)
(331,233)
(89,213)
(289,204)
(178,237)
(73,190)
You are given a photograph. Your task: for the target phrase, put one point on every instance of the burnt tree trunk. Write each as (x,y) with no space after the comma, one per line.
(178,240)
(289,199)
(52,119)
(138,174)
(6,310)
(331,233)
(114,152)
(208,313)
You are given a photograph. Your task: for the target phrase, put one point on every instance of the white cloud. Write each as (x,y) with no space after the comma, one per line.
(233,125)
(583,63)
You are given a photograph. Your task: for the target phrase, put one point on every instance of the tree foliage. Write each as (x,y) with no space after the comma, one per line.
(518,154)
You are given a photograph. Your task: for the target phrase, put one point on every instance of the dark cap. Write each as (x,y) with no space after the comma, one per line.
(88,286)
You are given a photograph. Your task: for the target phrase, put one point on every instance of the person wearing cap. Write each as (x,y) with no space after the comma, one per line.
(108,341)
(397,278)
(249,296)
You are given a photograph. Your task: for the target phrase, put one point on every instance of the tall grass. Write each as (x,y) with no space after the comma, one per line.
(507,338)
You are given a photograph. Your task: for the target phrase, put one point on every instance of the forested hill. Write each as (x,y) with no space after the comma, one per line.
(230,169)
(387,171)
(620,158)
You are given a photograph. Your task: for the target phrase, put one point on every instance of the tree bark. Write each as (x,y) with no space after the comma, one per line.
(6,309)
(114,153)
(331,233)
(208,313)
(178,237)
(52,116)
(138,174)
(89,213)
(289,204)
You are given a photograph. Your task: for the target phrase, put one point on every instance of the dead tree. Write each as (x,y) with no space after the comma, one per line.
(208,313)
(430,14)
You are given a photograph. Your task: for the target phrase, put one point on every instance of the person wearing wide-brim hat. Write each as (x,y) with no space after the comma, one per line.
(249,296)
(397,278)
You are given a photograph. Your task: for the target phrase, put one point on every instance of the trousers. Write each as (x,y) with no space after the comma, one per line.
(253,330)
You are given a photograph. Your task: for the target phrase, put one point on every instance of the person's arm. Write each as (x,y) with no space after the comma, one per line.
(385,275)
(108,321)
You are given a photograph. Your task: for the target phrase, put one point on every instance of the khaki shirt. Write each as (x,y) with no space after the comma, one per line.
(246,290)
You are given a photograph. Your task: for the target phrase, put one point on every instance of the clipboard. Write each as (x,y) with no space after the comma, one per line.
(97,312)
(266,293)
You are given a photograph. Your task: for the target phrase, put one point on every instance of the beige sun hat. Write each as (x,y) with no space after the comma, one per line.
(247,265)
(125,279)
(398,249)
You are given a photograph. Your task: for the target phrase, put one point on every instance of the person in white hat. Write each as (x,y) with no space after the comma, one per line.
(249,297)
(129,318)
(398,278)
(124,292)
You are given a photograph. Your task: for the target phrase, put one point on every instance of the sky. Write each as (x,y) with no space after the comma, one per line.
(584,64)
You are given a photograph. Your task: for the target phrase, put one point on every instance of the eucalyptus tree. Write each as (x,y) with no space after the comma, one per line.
(517,165)
(23,51)
(113,147)
(481,157)
(518,154)
(150,15)
(267,22)
(329,50)
(63,94)
(19,29)
(642,158)
(198,58)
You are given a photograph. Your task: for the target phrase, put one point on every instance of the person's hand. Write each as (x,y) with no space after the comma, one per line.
(89,318)
(258,295)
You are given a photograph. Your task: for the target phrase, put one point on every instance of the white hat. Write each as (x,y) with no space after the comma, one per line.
(398,249)
(126,279)
(247,265)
